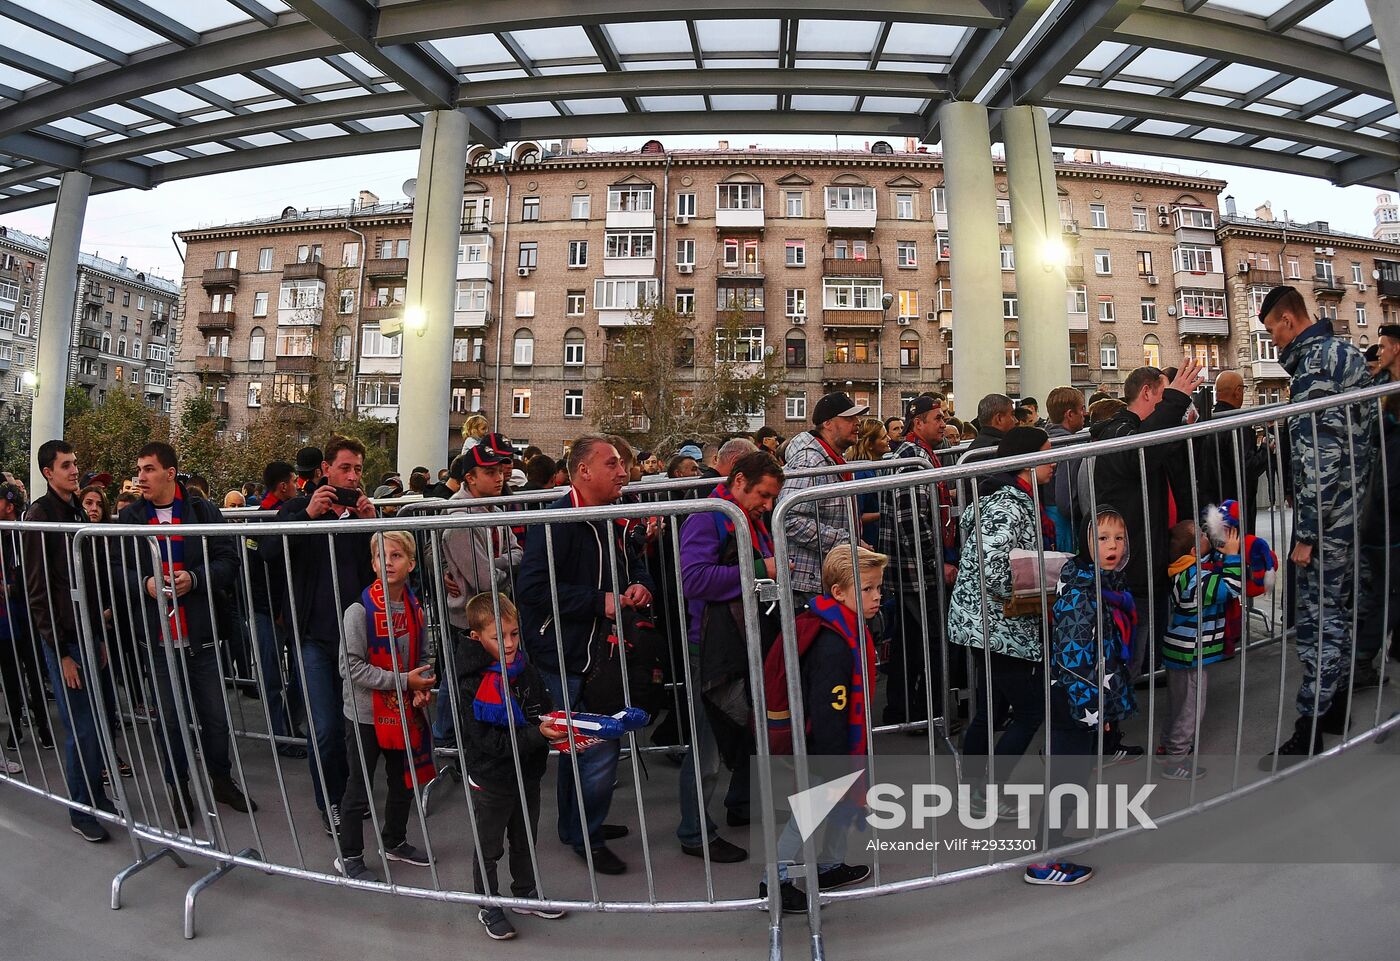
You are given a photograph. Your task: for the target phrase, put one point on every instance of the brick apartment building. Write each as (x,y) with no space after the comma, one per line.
(558,247)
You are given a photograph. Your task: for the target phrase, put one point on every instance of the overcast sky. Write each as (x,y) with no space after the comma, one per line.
(138,224)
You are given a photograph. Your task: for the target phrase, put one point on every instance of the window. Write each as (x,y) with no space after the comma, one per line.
(228,303)
(627,199)
(1012,349)
(795,351)
(908,301)
(340,344)
(1144,258)
(909,349)
(685,351)
(1147,310)
(685,205)
(295,342)
(1106,310)
(1201,303)
(850,349)
(529,254)
(472,252)
(260,304)
(530,208)
(220,259)
(739,197)
(350,254)
(255,393)
(739,298)
(574,347)
(476,211)
(579,207)
(741,346)
(307,254)
(685,302)
(264,258)
(573,402)
(1139,218)
(904,206)
(301,295)
(574,303)
(940,200)
(685,252)
(117,371)
(796,302)
(107,319)
(628,245)
(347,301)
(471,295)
(24,323)
(1004,212)
(1103,263)
(906,253)
(215,346)
(795,253)
(850,198)
(520,402)
(1008,257)
(1356,273)
(1293,269)
(121,345)
(854,294)
(1151,351)
(620,294)
(578,253)
(375,344)
(795,407)
(379,393)
(257,343)
(1322,270)
(524,355)
(1263,347)
(943,250)
(795,206)
(1098,215)
(524,303)
(1108,352)
(1195,218)
(1196,258)
(1361,315)
(1009,307)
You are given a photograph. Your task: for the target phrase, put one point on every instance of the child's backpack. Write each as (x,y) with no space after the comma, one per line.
(775,683)
(646,669)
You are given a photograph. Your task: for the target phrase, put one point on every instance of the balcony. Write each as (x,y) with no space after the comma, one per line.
(855,371)
(1074,273)
(733,270)
(1388,288)
(946,373)
(386,267)
(215,320)
(845,219)
(373,312)
(631,219)
(629,266)
(1078,322)
(1203,326)
(476,225)
(471,319)
(94,295)
(1080,375)
(1198,280)
(853,318)
(734,219)
(468,370)
(213,365)
(850,267)
(1264,278)
(297,365)
(308,270)
(1327,285)
(477,269)
(221,277)
(155,389)
(87,378)
(1268,370)
(220,410)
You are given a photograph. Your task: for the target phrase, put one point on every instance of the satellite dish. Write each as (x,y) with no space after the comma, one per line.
(1375,275)
(410,187)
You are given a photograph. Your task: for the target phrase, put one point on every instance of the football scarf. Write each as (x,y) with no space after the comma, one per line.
(835,457)
(388,726)
(948,531)
(494,702)
(172,559)
(1047,525)
(758,530)
(840,619)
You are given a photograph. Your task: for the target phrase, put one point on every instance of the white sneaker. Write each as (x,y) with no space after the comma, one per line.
(11,767)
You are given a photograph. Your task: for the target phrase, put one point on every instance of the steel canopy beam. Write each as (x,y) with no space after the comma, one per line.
(1377,171)
(813,122)
(1060,45)
(983,53)
(69,156)
(1094,138)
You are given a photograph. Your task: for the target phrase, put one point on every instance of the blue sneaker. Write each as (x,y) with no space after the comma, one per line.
(1058,873)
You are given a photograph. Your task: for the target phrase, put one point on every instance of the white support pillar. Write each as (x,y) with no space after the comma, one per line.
(1385,19)
(56,319)
(978,357)
(1040,262)
(425,386)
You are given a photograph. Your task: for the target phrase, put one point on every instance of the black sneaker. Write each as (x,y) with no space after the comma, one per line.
(92,831)
(1125,754)
(841,876)
(794,898)
(1302,744)
(497,925)
(182,807)
(294,752)
(227,792)
(721,851)
(615,832)
(45,739)
(1366,675)
(330,820)
(354,869)
(549,914)
(604,861)
(408,854)
(737,820)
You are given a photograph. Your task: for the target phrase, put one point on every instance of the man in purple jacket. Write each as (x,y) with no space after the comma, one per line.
(710,577)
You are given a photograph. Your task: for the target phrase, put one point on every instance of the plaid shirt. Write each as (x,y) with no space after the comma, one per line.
(933,539)
(814,527)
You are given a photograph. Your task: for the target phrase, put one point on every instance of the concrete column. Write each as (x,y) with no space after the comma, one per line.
(425,386)
(1385,17)
(56,319)
(978,360)
(1040,267)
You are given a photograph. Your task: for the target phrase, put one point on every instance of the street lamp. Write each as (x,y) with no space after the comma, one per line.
(886,301)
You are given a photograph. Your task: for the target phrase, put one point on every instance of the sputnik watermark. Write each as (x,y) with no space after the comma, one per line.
(891,806)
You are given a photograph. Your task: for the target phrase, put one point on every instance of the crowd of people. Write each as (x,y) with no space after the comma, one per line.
(341,637)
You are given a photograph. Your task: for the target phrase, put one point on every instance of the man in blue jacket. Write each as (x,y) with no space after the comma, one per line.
(588,587)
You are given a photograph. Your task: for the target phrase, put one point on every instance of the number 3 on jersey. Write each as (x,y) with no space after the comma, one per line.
(838,694)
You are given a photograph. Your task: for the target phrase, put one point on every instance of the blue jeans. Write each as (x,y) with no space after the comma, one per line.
(443,732)
(270,655)
(202,693)
(325,704)
(705,753)
(833,835)
(597,768)
(82,751)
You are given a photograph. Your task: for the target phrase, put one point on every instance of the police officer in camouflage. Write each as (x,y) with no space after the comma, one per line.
(1332,452)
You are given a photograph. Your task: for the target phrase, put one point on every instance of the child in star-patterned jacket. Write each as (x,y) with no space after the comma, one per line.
(1089,674)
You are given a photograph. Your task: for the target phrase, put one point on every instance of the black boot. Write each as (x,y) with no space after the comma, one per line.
(1302,744)
(1334,719)
(227,792)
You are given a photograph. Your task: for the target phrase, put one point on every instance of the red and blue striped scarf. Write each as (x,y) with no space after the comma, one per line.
(388,726)
(1123,609)
(947,530)
(842,620)
(494,703)
(172,559)
(758,530)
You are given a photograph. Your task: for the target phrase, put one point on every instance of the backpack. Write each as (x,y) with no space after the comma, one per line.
(647,672)
(775,681)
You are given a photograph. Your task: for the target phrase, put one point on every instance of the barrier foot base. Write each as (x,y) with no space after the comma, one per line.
(198,887)
(940,730)
(448,772)
(137,868)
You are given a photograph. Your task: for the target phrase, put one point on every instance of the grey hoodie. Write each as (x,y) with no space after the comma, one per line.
(469,556)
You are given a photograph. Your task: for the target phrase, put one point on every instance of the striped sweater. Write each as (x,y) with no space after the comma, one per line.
(1218,580)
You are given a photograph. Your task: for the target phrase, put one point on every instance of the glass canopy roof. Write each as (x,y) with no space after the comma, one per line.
(139,92)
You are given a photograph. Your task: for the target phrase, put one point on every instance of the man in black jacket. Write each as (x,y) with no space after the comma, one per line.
(589,589)
(53,618)
(325,581)
(996,414)
(1153,404)
(1222,462)
(194,571)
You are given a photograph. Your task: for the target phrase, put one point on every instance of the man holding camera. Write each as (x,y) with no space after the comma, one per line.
(327,576)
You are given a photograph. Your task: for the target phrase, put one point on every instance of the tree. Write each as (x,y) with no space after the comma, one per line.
(76,403)
(107,437)
(664,381)
(196,439)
